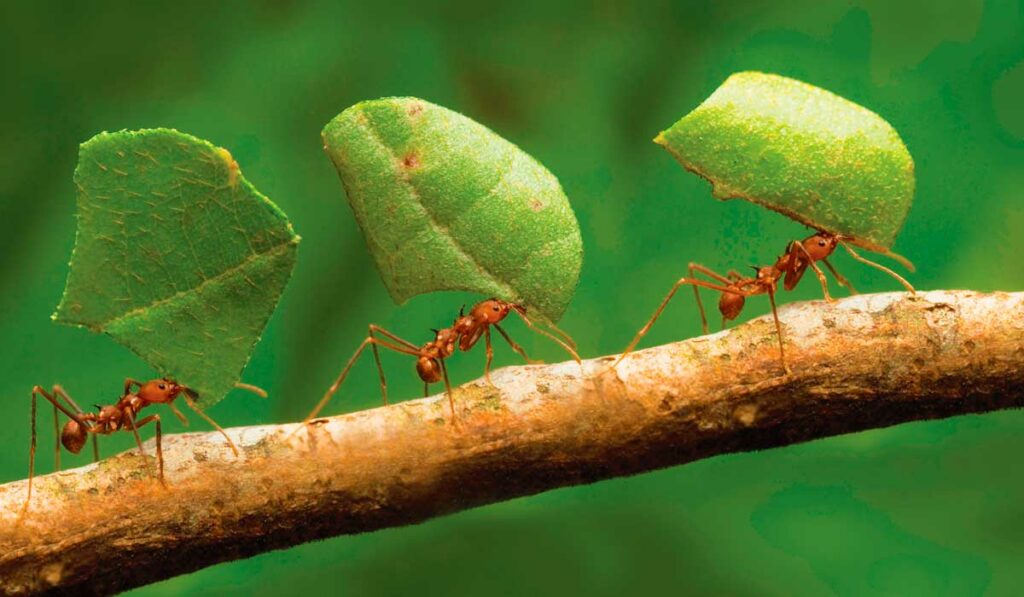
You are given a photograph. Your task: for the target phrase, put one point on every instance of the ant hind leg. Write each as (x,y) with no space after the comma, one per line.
(664,303)
(694,268)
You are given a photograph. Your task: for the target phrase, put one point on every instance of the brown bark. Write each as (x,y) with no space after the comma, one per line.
(864,362)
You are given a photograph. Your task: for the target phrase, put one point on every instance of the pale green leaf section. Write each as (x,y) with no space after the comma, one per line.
(802,151)
(447,204)
(177,257)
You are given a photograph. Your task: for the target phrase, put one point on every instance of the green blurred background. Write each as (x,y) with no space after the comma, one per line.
(928,508)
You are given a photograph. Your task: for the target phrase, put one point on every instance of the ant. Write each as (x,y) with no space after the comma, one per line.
(121,416)
(463,335)
(792,265)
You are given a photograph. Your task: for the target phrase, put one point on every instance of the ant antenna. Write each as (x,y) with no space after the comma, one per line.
(248,388)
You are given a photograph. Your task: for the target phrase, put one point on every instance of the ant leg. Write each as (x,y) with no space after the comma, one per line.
(128,383)
(248,387)
(57,405)
(817,270)
(549,335)
(376,358)
(138,440)
(489,349)
(566,337)
(177,413)
(694,268)
(657,312)
(515,347)
(95,448)
(58,392)
(778,330)
(56,439)
(448,388)
(31,454)
(878,266)
(348,366)
(191,404)
(426,389)
(840,278)
(159,443)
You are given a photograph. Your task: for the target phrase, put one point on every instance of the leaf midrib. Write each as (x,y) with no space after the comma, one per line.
(252,257)
(431,219)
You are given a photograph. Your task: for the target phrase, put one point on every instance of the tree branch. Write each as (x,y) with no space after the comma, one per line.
(864,362)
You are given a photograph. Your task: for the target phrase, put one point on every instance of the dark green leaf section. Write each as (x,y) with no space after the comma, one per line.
(177,256)
(447,204)
(800,150)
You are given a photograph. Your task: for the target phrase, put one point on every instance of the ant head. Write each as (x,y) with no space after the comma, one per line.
(821,245)
(492,311)
(163,390)
(73,436)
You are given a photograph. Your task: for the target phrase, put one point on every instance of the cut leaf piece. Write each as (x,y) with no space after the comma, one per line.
(447,204)
(177,256)
(802,151)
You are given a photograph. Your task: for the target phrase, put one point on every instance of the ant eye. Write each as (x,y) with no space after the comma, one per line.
(496,308)
(821,243)
(163,387)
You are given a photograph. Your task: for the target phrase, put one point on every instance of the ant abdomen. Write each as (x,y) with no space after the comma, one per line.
(730,305)
(73,437)
(428,369)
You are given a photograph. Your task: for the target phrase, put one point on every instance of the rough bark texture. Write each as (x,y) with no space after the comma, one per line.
(864,362)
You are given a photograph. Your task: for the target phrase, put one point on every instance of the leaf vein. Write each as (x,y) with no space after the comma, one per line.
(432,220)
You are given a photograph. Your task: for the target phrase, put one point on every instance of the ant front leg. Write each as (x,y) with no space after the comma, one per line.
(878,266)
(569,349)
(128,383)
(840,278)
(799,246)
(512,343)
(195,408)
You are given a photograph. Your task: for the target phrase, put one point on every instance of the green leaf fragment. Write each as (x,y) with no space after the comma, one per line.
(177,256)
(446,204)
(802,151)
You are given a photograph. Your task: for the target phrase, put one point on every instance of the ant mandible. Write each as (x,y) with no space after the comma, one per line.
(462,335)
(120,416)
(735,288)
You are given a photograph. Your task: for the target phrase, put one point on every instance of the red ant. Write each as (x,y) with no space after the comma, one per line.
(792,264)
(121,416)
(462,335)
